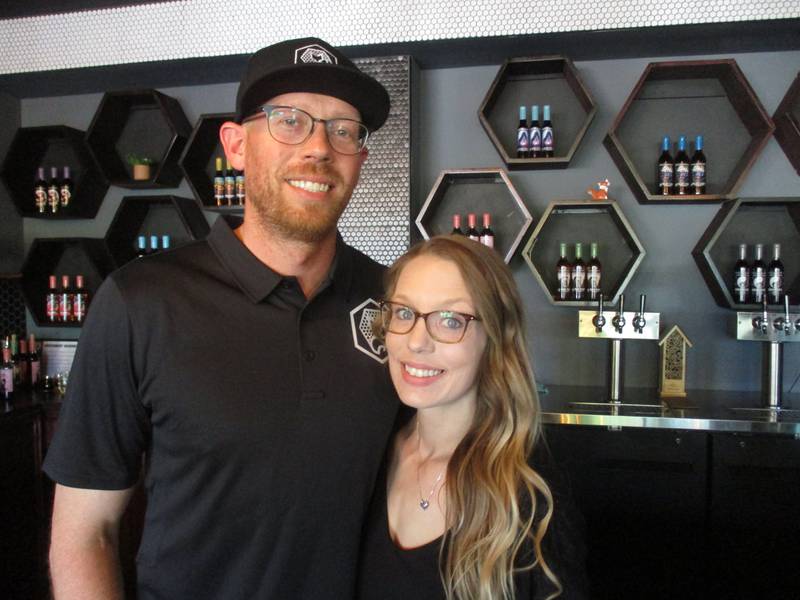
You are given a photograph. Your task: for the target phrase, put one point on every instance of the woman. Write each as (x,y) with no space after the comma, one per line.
(461,514)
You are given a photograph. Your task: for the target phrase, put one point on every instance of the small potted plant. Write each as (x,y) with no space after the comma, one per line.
(141,166)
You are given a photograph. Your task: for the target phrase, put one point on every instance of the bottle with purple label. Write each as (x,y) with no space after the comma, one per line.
(53,191)
(40,191)
(522,134)
(535,135)
(698,167)
(548,141)
(665,168)
(682,168)
(65,190)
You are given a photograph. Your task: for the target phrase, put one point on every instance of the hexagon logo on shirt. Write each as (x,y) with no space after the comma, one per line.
(361,319)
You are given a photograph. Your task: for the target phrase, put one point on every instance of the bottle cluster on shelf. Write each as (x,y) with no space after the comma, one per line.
(143,249)
(577,279)
(66,304)
(485,236)
(680,175)
(535,140)
(752,282)
(20,368)
(229,187)
(52,194)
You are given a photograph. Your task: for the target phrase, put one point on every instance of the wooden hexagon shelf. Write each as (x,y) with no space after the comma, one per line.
(709,98)
(552,80)
(180,218)
(53,146)
(197,161)
(476,191)
(787,124)
(749,221)
(146,123)
(571,221)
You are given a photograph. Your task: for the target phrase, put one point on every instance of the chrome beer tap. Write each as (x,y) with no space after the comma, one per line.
(599,320)
(761,322)
(619,319)
(638,320)
(784,323)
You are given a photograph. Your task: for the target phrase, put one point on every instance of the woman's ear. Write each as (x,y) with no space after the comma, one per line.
(233,136)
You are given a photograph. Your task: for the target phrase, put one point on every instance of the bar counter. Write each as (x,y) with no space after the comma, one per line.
(701,410)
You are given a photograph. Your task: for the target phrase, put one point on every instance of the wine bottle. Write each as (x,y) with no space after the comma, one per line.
(51,300)
(153,245)
(219,182)
(40,191)
(563,273)
(665,169)
(7,376)
(23,365)
(65,191)
(594,272)
(457,225)
(548,141)
(775,276)
(141,246)
(523,139)
(53,193)
(65,300)
(741,277)
(14,346)
(758,276)
(535,135)
(487,235)
(472,232)
(578,274)
(34,365)
(698,167)
(166,242)
(80,302)
(230,184)
(240,188)
(681,177)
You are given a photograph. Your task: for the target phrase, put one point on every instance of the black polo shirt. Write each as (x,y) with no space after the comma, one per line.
(263,418)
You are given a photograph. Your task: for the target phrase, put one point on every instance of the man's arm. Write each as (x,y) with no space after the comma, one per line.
(84,548)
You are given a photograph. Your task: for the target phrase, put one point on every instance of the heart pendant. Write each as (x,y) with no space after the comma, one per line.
(424,504)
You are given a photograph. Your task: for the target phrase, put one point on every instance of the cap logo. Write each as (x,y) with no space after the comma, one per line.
(361,319)
(314,54)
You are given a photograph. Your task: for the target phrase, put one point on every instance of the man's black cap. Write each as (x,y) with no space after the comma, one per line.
(314,66)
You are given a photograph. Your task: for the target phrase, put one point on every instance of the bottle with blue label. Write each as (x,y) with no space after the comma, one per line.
(682,175)
(523,141)
(665,168)
(548,142)
(698,167)
(535,133)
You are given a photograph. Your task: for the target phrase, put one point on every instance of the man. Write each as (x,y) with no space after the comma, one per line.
(234,365)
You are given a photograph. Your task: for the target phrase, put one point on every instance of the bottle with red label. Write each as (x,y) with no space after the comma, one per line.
(7,376)
(65,299)
(51,300)
(80,301)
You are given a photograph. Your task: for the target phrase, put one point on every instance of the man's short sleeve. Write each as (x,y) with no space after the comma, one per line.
(103,427)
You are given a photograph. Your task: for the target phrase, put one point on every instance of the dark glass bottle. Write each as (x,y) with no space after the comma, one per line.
(579,274)
(34,365)
(7,376)
(80,302)
(65,299)
(219,182)
(166,242)
(594,272)
(14,345)
(457,225)
(23,365)
(758,276)
(240,188)
(141,246)
(53,192)
(698,167)
(682,174)
(665,168)
(487,235)
(65,190)
(563,273)
(472,232)
(40,191)
(548,140)
(153,244)
(535,135)
(230,184)
(523,141)
(741,277)
(775,276)
(51,300)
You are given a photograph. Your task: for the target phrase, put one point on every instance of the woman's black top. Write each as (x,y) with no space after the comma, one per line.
(388,572)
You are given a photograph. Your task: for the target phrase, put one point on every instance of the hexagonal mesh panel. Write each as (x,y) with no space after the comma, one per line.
(12,307)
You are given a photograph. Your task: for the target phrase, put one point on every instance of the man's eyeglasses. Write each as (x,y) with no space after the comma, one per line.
(293,126)
(446,326)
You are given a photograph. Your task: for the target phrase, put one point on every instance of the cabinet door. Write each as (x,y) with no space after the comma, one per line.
(755,517)
(643,494)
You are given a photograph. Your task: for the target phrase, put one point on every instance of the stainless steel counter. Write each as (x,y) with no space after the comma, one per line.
(701,410)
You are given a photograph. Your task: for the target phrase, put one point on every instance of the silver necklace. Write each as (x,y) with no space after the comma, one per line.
(424,502)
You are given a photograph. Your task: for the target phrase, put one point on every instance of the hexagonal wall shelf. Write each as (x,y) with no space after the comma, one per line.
(62,256)
(180,218)
(620,251)
(146,123)
(197,161)
(552,80)
(749,221)
(476,191)
(709,98)
(787,124)
(53,146)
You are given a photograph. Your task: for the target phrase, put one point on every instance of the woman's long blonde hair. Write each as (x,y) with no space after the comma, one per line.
(495,522)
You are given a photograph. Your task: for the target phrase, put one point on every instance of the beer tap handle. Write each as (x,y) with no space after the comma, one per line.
(787,320)
(599,319)
(764,315)
(639,321)
(619,319)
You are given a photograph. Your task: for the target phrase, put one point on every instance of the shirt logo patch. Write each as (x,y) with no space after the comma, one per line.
(361,319)
(314,54)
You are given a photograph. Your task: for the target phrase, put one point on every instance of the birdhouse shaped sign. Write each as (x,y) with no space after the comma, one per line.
(672,383)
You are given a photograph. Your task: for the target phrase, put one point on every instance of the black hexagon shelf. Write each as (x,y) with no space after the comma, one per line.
(570,221)
(552,80)
(141,122)
(53,146)
(787,124)
(749,221)
(180,218)
(197,161)
(476,191)
(711,98)
(62,256)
